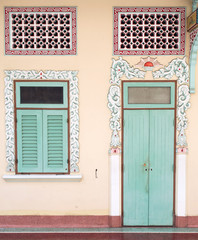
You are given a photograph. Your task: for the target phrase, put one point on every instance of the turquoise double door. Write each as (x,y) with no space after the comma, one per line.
(148,163)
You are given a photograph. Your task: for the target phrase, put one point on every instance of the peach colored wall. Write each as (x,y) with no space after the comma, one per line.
(93,61)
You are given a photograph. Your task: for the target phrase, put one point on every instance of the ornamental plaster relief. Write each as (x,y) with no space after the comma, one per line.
(120,68)
(74,115)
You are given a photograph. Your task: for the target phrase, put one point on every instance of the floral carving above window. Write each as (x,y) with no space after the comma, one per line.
(149,31)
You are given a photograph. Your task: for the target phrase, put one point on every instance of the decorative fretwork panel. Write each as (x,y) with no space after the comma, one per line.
(40,31)
(142,31)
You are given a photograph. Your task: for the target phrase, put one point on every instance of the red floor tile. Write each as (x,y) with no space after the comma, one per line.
(98,236)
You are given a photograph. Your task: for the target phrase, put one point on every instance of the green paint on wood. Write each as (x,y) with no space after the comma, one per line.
(148,167)
(42,141)
(55,141)
(161,167)
(136,150)
(29,140)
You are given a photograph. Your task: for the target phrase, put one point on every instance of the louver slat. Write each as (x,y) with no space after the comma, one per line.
(29,140)
(55,141)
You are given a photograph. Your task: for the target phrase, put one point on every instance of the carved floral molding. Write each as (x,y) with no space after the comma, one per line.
(120,68)
(74,115)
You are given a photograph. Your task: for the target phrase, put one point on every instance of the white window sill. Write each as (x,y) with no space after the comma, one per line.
(42,178)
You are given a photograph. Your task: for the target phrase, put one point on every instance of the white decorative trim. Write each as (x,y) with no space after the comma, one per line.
(115,200)
(39,177)
(179,68)
(119,68)
(180,185)
(74,116)
(114,106)
(9,121)
(176,67)
(182,106)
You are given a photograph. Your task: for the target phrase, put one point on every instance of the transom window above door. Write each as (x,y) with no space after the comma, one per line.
(148,94)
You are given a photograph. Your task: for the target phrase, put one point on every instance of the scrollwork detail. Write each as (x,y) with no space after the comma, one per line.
(74,113)
(119,68)
(182,106)
(115,108)
(179,68)
(176,67)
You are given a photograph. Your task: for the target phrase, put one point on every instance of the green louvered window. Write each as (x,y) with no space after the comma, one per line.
(42,138)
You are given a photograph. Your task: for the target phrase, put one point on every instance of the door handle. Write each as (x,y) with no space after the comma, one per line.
(148,169)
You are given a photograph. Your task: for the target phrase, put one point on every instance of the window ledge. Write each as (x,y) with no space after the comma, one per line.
(42,178)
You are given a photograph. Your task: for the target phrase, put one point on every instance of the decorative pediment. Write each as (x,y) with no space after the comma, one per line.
(177,67)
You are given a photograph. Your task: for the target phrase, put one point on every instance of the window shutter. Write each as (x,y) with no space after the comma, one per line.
(29,140)
(55,141)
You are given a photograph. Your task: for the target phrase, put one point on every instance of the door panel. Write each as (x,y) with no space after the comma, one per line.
(148,138)
(136,150)
(161,167)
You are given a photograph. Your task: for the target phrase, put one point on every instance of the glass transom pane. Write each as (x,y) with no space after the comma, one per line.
(149,95)
(44,95)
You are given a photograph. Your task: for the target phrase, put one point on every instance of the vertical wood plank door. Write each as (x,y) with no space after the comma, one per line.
(148,158)
(161,172)
(135,179)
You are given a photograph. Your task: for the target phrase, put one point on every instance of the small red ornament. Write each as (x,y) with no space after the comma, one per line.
(148,66)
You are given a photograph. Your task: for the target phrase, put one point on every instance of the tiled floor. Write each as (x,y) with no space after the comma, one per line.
(99,234)
(101,230)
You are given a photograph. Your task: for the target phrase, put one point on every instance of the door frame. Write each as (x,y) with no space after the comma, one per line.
(122,142)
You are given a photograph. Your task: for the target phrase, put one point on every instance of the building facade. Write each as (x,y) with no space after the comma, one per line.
(98,113)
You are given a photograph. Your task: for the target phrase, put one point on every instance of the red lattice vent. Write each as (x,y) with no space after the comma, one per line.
(40,31)
(149,31)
